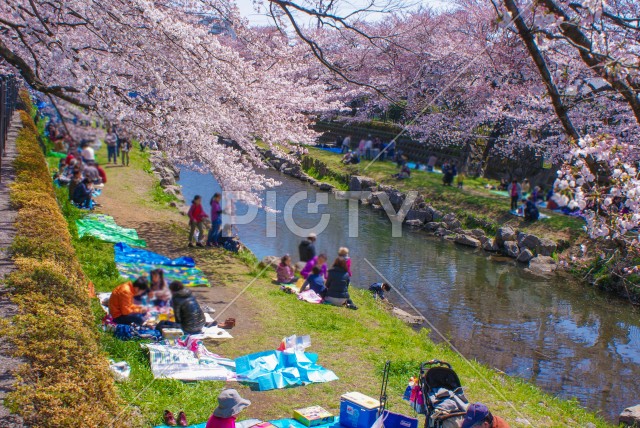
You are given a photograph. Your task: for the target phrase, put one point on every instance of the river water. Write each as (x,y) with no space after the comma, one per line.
(566,338)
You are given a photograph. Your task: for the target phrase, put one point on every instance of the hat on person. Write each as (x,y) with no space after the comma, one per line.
(476,413)
(312,236)
(230,404)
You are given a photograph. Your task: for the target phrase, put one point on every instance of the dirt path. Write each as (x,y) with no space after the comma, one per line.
(7,309)
(126,197)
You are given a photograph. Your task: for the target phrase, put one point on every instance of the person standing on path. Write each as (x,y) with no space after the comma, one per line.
(515,192)
(196,219)
(216,221)
(307,248)
(111,140)
(125,147)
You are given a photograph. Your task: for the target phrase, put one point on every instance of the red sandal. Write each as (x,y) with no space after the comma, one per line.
(169,419)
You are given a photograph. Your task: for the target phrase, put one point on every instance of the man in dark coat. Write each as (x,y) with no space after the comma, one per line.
(307,248)
(186,309)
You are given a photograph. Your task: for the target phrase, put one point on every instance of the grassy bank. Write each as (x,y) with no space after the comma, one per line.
(65,380)
(473,204)
(354,344)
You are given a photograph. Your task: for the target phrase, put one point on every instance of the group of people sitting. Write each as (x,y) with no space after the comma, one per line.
(332,284)
(517,191)
(131,302)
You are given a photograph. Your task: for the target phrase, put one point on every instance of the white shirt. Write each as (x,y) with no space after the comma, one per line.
(88,154)
(368,144)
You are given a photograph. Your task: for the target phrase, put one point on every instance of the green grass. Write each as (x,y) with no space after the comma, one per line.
(355,344)
(474,205)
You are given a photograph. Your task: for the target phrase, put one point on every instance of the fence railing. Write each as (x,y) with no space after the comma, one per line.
(8,100)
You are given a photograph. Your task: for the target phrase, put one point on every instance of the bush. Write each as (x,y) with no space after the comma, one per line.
(66,380)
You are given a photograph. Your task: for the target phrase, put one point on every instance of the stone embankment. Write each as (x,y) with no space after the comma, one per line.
(167,175)
(534,253)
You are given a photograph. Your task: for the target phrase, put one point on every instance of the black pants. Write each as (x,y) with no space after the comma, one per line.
(514,202)
(130,319)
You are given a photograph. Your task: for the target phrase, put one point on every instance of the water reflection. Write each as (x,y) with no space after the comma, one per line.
(569,340)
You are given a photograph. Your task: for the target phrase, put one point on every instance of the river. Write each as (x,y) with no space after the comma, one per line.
(566,338)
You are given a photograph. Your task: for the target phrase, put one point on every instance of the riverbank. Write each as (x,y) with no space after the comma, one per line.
(474,217)
(353,344)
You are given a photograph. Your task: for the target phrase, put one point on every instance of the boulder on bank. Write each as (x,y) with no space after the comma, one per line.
(432,226)
(490,245)
(511,249)
(407,317)
(630,416)
(326,187)
(504,235)
(546,247)
(358,183)
(542,266)
(452,221)
(468,241)
(441,231)
(525,255)
(528,241)
(414,223)
(422,215)
(272,261)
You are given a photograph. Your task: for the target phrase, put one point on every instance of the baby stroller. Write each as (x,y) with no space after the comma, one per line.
(445,403)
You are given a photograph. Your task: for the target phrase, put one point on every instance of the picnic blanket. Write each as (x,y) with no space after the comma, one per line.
(188,361)
(275,370)
(310,296)
(279,423)
(133,263)
(105,228)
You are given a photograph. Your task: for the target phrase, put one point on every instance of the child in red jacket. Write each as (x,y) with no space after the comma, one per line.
(196,219)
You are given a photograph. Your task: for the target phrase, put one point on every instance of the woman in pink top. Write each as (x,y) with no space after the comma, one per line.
(229,405)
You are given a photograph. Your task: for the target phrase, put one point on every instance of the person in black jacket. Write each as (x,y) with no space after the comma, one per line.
(307,248)
(82,194)
(189,315)
(338,285)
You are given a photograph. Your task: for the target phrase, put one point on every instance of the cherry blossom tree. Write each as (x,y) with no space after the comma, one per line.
(153,67)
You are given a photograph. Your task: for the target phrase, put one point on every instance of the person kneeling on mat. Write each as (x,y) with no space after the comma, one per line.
(121,306)
(186,309)
(338,285)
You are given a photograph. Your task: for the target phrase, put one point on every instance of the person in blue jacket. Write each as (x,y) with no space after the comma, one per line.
(378,289)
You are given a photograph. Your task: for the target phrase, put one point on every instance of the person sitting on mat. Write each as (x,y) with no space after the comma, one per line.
(285,271)
(159,293)
(315,281)
(229,405)
(321,261)
(186,309)
(82,194)
(121,306)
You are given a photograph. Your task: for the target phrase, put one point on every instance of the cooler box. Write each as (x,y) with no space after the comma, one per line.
(396,420)
(313,416)
(357,410)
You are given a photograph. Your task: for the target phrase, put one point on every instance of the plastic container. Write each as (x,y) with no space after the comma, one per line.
(172,333)
(313,416)
(358,410)
(396,420)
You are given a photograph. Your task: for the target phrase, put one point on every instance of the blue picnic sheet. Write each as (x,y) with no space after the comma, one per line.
(126,254)
(134,262)
(275,370)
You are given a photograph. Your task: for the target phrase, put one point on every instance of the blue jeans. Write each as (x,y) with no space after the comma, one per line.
(130,319)
(214,232)
(111,152)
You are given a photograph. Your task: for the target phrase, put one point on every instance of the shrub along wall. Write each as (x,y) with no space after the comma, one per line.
(65,381)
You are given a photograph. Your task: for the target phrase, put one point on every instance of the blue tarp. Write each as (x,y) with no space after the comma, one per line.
(275,369)
(127,254)
(134,262)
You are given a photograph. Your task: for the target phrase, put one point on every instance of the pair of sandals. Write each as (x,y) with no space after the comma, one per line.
(170,420)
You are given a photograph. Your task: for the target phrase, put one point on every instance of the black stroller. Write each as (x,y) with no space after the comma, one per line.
(445,403)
